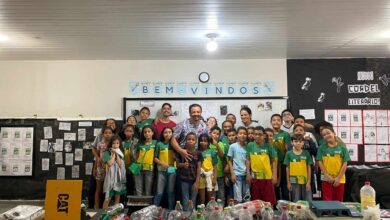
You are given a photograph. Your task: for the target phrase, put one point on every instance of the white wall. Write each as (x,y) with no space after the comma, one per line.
(95,88)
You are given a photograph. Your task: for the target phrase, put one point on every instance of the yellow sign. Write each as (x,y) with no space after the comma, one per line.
(63,199)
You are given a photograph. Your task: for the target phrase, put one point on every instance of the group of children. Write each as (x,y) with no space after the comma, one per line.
(228,163)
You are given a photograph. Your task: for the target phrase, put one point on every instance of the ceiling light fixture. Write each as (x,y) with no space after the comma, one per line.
(212,45)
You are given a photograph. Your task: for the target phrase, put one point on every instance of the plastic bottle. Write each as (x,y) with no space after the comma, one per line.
(220,205)
(226,214)
(245,214)
(147,212)
(199,216)
(178,206)
(367,196)
(216,214)
(231,202)
(267,214)
(191,212)
(115,209)
(299,213)
(210,207)
(284,215)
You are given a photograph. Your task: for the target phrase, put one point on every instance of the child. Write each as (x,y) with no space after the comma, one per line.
(220,149)
(332,159)
(131,120)
(261,168)
(145,154)
(226,125)
(164,158)
(115,180)
(288,121)
(251,136)
(211,122)
(187,171)
(144,114)
(269,133)
(237,165)
(231,134)
(207,169)
(100,169)
(129,147)
(281,140)
(311,148)
(298,168)
(232,118)
(300,120)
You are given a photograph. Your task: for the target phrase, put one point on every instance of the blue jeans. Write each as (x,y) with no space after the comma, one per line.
(220,194)
(143,183)
(188,192)
(240,188)
(165,181)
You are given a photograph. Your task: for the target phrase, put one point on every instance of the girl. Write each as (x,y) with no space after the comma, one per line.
(115,180)
(332,159)
(232,118)
(131,120)
(211,122)
(144,114)
(164,158)
(129,147)
(145,154)
(187,170)
(281,140)
(207,169)
(99,170)
(226,125)
(237,165)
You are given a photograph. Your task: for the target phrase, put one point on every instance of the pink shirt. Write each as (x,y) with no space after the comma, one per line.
(159,126)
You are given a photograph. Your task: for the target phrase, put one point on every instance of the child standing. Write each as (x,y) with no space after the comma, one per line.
(332,159)
(164,158)
(145,154)
(281,140)
(207,169)
(261,168)
(115,180)
(144,114)
(298,168)
(231,134)
(237,165)
(187,171)
(100,168)
(251,135)
(226,125)
(129,146)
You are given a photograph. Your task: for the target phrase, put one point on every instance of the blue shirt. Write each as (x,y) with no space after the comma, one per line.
(238,154)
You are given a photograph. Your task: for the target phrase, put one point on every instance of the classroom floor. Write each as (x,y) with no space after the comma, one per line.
(6,205)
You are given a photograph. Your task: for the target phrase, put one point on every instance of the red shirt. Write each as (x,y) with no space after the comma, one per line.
(159,126)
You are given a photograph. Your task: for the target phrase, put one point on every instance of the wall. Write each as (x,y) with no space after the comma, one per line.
(95,88)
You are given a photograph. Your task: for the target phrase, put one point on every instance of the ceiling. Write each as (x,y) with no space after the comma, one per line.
(176,29)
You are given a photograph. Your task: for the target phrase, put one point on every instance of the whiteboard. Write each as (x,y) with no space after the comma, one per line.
(262,108)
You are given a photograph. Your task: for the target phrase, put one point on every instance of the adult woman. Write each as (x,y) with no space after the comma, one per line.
(246,118)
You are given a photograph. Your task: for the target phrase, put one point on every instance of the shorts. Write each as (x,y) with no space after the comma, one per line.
(202,182)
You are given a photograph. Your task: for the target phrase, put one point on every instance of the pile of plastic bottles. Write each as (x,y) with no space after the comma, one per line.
(299,210)
(115,212)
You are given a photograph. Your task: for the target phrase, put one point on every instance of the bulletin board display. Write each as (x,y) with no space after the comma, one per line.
(17,148)
(262,108)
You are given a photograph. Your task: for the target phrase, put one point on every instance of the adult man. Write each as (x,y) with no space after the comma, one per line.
(163,122)
(193,124)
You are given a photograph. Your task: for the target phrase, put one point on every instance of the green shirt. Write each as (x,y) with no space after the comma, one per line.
(280,140)
(298,165)
(225,140)
(144,123)
(333,158)
(164,152)
(209,159)
(278,154)
(220,159)
(261,158)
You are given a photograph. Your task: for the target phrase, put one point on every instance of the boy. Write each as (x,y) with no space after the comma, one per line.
(220,150)
(281,140)
(261,168)
(298,168)
(300,120)
(226,125)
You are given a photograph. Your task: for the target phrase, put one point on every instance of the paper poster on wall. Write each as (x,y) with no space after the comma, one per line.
(309,114)
(64,126)
(381,118)
(87,145)
(343,117)
(356,118)
(353,152)
(45,164)
(356,135)
(43,147)
(383,153)
(58,158)
(370,135)
(59,146)
(78,154)
(60,173)
(47,132)
(75,171)
(96,131)
(382,135)
(85,123)
(331,116)
(81,134)
(70,136)
(68,159)
(369,118)
(88,168)
(345,134)
(370,153)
